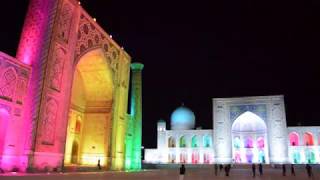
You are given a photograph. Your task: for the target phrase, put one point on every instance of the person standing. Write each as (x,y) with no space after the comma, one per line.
(220,167)
(309,170)
(253,170)
(228,169)
(182,172)
(260,169)
(293,173)
(99,166)
(216,169)
(283,170)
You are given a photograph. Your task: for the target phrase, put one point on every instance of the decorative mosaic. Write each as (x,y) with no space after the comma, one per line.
(258,109)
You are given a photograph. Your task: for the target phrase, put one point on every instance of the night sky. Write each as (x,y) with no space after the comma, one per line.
(198,50)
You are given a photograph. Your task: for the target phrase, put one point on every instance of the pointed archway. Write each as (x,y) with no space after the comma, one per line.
(249,139)
(90,113)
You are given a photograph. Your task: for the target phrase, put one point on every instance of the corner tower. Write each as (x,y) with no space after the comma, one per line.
(133,147)
(161,134)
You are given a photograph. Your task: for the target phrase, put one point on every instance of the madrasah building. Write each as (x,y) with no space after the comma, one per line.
(245,130)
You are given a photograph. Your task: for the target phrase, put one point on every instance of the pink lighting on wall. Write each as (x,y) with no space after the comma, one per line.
(260,142)
(34,29)
(4,118)
(294,139)
(31,51)
(248,142)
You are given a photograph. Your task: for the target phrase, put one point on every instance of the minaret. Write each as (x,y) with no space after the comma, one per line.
(136,114)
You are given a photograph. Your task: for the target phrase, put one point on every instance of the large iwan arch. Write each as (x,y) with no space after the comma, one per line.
(269,145)
(249,139)
(91,105)
(70,72)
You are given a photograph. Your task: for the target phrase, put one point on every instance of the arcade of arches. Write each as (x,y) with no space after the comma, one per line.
(246,130)
(303,147)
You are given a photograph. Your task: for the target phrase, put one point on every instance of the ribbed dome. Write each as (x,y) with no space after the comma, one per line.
(249,122)
(182,119)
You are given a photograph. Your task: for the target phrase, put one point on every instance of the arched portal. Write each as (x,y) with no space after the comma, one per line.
(4,120)
(171,142)
(308,139)
(194,141)
(249,139)
(183,157)
(172,157)
(206,158)
(182,142)
(294,139)
(90,111)
(207,141)
(310,156)
(195,157)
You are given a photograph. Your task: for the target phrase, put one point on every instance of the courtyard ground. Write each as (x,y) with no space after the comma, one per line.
(165,174)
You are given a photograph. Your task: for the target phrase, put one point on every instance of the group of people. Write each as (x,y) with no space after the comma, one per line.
(293,173)
(227,169)
(254,169)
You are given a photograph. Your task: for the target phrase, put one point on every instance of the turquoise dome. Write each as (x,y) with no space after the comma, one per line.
(182,119)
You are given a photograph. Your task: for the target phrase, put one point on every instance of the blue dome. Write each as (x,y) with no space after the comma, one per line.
(182,119)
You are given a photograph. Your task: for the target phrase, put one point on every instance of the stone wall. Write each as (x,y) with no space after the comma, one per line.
(14,80)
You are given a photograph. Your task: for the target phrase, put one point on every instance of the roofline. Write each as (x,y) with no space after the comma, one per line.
(248,97)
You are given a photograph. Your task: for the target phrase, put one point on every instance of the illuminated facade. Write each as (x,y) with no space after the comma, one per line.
(183,143)
(64,97)
(245,130)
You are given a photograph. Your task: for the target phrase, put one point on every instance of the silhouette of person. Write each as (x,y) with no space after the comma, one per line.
(309,170)
(220,167)
(99,166)
(260,169)
(182,172)
(227,169)
(283,170)
(253,170)
(216,169)
(293,173)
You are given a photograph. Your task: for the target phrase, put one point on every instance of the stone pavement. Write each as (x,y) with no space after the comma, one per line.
(165,174)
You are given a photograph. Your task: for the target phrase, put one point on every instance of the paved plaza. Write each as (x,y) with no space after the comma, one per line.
(166,174)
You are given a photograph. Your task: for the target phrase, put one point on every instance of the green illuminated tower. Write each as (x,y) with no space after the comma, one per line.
(134,128)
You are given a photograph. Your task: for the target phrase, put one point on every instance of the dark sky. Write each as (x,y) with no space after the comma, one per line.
(195,51)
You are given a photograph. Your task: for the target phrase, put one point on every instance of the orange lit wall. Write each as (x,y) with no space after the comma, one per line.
(91,105)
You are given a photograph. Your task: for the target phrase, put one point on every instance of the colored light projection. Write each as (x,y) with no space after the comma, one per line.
(249,135)
(194,141)
(134,128)
(182,118)
(97,121)
(305,152)
(182,142)
(207,141)
(89,124)
(4,118)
